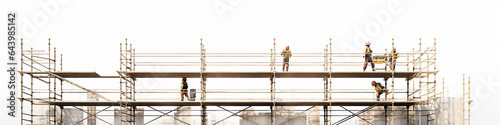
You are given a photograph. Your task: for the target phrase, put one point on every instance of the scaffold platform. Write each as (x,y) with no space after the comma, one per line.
(238,74)
(230,103)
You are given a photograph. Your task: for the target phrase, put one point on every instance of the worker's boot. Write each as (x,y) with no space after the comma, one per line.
(373,66)
(182,99)
(287,68)
(283,68)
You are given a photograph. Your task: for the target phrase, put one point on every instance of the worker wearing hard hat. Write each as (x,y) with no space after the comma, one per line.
(379,89)
(184,87)
(286,53)
(392,58)
(368,56)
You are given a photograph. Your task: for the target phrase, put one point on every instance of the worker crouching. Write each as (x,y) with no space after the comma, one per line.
(379,89)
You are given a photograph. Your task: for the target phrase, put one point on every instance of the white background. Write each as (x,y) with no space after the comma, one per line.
(88,33)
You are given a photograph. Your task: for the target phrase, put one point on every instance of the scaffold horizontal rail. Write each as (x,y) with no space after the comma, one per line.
(230,103)
(68,74)
(263,74)
(239,74)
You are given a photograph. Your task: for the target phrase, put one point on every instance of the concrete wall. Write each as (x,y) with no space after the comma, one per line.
(284,114)
(265,119)
(452,114)
(378,116)
(71,116)
(139,116)
(183,114)
(452,111)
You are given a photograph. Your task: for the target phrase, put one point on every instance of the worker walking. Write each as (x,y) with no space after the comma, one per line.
(184,88)
(379,89)
(392,58)
(368,56)
(286,53)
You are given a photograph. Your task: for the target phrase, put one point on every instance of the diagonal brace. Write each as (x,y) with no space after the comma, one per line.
(236,114)
(351,116)
(233,114)
(166,114)
(297,115)
(357,114)
(92,115)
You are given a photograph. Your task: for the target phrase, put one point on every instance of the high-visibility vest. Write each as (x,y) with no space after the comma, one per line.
(368,51)
(184,84)
(379,88)
(286,53)
(396,54)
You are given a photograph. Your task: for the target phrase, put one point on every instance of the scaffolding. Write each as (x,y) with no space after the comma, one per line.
(466,101)
(420,70)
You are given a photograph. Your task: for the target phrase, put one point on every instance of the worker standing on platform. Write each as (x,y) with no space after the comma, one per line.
(393,56)
(286,53)
(379,89)
(368,56)
(184,89)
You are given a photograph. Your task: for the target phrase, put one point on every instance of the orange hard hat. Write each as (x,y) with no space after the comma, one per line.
(368,43)
(184,78)
(373,83)
(287,47)
(393,48)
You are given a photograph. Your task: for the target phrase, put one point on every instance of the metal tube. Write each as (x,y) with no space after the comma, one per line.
(468,102)
(420,79)
(21,81)
(442,107)
(463,98)
(31,96)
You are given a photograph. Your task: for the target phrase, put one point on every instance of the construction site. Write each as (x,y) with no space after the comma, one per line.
(413,97)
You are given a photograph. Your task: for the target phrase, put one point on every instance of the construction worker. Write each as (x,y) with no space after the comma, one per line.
(368,56)
(286,53)
(379,89)
(184,89)
(393,56)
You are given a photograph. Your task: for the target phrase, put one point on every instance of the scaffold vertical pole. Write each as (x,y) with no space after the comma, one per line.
(427,99)
(442,105)
(385,62)
(55,87)
(22,85)
(274,55)
(393,61)
(273,107)
(420,79)
(463,98)
(434,101)
(408,99)
(330,87)
(468,102)
(48,83)
(413,113)
(202,85)
(31,86)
